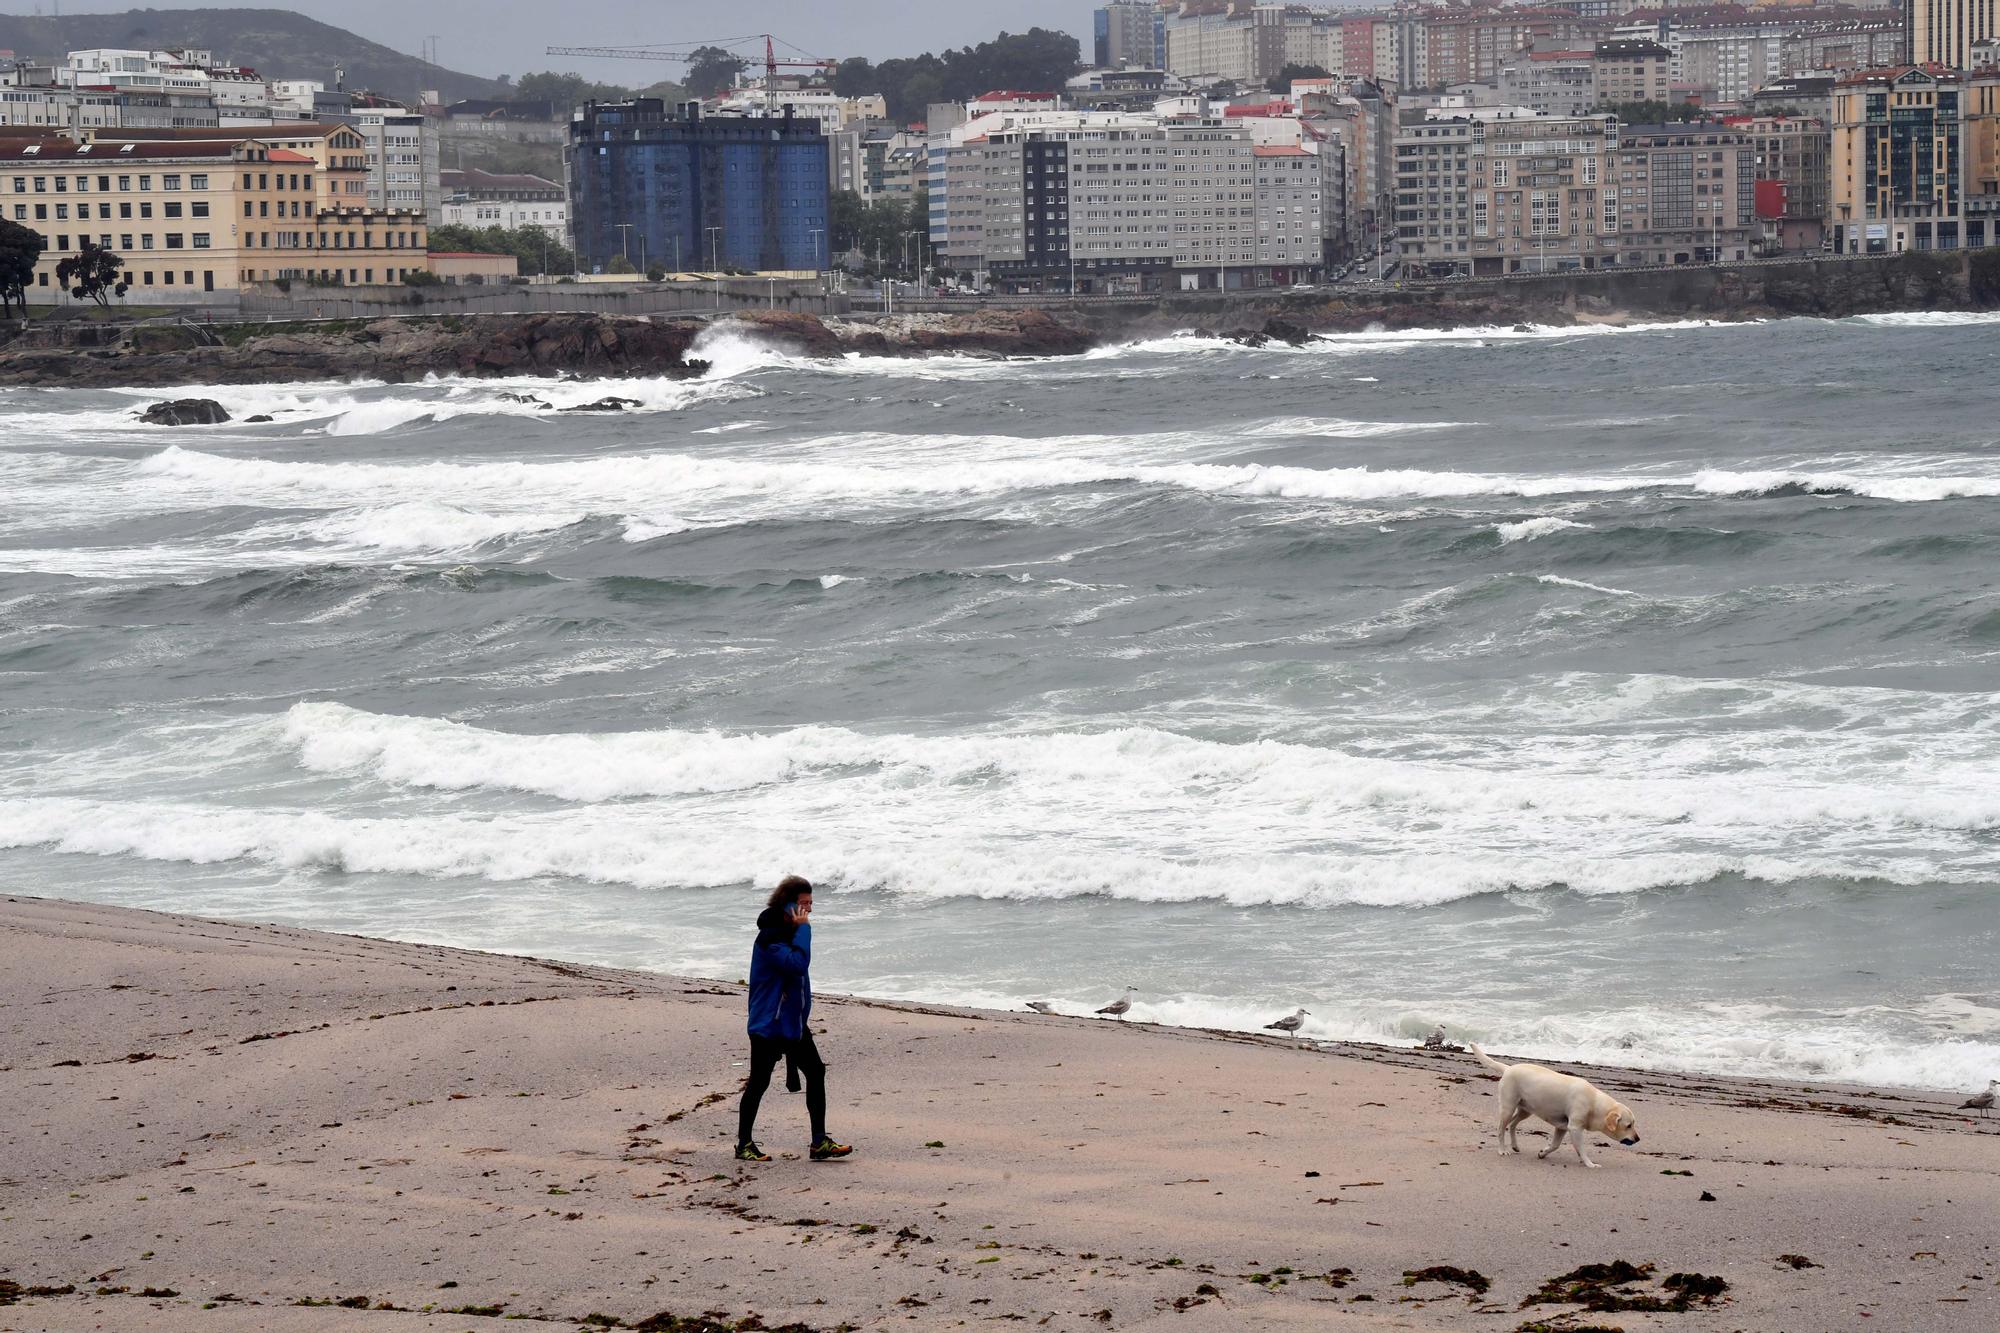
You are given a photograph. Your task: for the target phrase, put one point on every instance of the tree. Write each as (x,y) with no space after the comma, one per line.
(1282,81)
(20,247)
(1652,113)
(1038,60)
(92,273)
(531,247)
(619,264)
(712,69)
(566,91)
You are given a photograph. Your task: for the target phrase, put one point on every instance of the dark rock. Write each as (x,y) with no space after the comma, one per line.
(186,412)
(259,418)
(1286,332)
(611,404)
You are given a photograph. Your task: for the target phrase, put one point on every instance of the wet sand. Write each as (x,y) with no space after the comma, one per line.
(236,1127)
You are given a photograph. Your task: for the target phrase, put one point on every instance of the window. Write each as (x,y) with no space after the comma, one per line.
(198,209)
(198,181)
(201,240)
(175,240)
(145,209)
(124,182)
(125,241)
(173,210)
(145,182)
(170,182)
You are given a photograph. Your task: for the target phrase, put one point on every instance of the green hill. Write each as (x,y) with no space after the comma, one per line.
(277,43)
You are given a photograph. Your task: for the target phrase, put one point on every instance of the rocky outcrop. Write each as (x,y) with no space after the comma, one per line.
(186,412)
(386,349)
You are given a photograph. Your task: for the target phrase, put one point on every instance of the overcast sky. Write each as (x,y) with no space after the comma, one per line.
(509,36)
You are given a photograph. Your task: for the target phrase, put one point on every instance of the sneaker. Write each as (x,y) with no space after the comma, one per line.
(750,1152)
(826,1150)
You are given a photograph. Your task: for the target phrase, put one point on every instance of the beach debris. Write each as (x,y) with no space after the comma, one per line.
(1289,1024)
(1042,1007)
(1796,1261)
(1602,1288)
(934,1143)
(1470,1278)
(1984,1101)
(1706,1197)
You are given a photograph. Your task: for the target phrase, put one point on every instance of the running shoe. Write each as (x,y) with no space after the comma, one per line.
(750,1152)
(826,1150)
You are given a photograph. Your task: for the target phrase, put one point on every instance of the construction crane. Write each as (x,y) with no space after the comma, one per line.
(771,62)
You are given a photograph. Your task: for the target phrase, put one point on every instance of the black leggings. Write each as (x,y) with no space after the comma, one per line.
(765,1052)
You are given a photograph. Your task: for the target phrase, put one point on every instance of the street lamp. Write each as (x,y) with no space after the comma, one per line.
(819,272)
(624,240)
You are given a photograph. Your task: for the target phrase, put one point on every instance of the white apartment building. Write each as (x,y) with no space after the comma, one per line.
(402,150)
(1250,43)
(1114,201)
(513,202)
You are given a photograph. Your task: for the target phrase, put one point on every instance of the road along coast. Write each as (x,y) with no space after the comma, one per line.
(234,1126)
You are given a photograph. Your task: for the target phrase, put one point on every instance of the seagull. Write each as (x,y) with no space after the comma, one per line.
(1290,1023)
(1984,1101)
(1118,1007)
(1435,1040)
(1041,1006)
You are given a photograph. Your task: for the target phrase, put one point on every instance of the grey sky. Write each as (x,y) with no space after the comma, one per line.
(493,37)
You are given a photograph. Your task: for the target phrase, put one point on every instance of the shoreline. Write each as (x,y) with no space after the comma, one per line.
(240,1126)
(400,345)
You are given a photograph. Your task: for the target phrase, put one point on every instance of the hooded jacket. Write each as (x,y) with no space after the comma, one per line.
(780,985)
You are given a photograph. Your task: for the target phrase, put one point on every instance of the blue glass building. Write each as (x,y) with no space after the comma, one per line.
(680,190)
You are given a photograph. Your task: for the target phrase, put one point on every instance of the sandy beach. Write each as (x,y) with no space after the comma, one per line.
(225,1126)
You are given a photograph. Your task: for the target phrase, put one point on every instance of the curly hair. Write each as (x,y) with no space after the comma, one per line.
(790,889)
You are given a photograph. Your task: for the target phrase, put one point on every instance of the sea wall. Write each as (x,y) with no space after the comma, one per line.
(596,344)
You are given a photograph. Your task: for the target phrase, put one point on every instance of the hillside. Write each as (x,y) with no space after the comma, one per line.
(278,43)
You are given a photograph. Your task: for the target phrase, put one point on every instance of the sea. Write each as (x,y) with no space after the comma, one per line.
(1602,694)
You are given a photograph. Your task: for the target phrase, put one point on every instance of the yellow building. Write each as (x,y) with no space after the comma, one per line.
(1898,164)
(198,219)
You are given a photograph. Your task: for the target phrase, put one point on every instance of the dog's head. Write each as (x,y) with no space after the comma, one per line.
(1620,1124)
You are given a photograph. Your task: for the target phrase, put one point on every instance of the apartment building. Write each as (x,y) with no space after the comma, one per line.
(1129,34)
(1249,43)
(1905,142)
(1943,32)
(1686,194)
(1792,177)
(401,147)
(1631,69)
(1501,190)
(1113,201)
(197,220)
(1550,83)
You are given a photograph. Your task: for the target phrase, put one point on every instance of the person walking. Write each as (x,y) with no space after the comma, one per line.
(780,1007)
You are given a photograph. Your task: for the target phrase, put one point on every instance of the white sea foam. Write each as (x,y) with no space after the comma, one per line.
(1559,581)
(1930,319)
(1338,428)
(1528,530)
(1877,486)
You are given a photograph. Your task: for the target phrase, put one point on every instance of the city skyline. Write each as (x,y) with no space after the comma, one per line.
(511,40)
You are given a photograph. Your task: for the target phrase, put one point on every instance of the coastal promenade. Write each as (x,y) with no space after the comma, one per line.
(232,1127)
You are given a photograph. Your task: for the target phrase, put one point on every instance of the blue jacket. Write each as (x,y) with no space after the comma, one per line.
(781,997)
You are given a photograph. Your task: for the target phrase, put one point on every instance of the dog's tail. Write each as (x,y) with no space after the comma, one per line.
(1486,1059)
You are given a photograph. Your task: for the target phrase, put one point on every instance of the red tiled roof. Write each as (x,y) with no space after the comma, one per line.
(287,155)
(1279,150)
